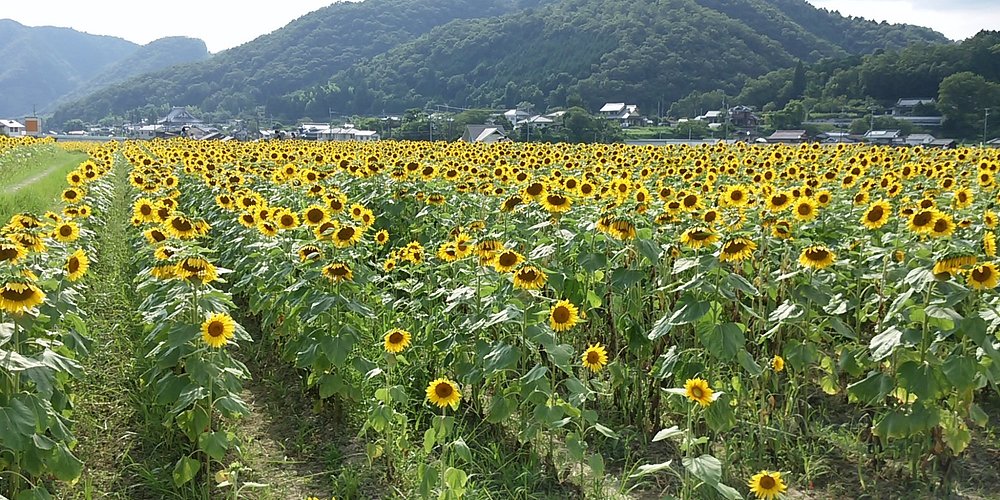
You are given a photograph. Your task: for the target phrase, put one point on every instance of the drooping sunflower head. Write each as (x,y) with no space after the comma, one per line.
(556,203)
(816,257)
(396,340)
(27,241)
(345,236)
(196,270)
(737,249)
(529,278)
(17,297)
(337,272)
(11,252)
(563,316)
(699,237)
(309,252)
(180,227)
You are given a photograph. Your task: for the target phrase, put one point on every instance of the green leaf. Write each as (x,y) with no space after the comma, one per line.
(596,463)
(185,470)
(919,379)
(649,249)
(723,340)
(668,433)
(668,361)
(456,479)
(748,363)
(872,389)
(884,343)
(706,467)
(719,416)
(651,468)
(687,310)
(593,261)
(38,493)
(500,409)
(462,449)
(502,357)
(605,431)
(63,465)
(960,372)
(17,424)
(215,444)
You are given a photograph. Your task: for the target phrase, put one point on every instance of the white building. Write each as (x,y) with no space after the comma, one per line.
(347,133)
(11,128)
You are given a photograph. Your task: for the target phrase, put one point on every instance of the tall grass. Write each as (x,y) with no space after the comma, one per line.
(33,177)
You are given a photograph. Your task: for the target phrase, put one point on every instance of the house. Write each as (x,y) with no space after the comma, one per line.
(347,133)
(884,137)
(918,139)
(516,116)
(743,117)
(788,137)
(943,143)
(626,114)
(11,128)
(485,134)
(177,118)
(710,117)
(148,131)
(906,105)
(312,131)
(993,143)
(836,137)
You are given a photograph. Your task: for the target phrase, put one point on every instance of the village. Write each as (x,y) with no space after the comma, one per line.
(732,124)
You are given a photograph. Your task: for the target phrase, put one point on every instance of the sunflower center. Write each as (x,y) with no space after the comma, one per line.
(528,275)
(182,225)
(145,209)
(593,357)
(395,338)
(923,218)
(700,235)
(817,254)
(345,233)
(805,209)
(736,195)
(314,216)
(561,314)
(340,270)
(767,482)
(736,247)
(287,220)
(216,329)
(690,200)
(982,274)
(157,236)
(875,214)
(443,390)
(556,200)
(507,259)
(779,200)
(73,265)
(697,393)
(535,189)
(941,225)
(17,295)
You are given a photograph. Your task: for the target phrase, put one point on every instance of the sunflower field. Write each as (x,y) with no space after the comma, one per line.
(531,320)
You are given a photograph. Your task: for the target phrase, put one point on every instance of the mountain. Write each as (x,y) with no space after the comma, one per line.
(306,52)
(397,54)
(44,64)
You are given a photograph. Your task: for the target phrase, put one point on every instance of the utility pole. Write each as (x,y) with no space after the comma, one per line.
(986,121)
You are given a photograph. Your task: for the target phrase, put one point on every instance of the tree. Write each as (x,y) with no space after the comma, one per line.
(961,99)
(75,124)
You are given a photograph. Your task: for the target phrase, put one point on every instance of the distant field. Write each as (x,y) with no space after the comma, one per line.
(33,177)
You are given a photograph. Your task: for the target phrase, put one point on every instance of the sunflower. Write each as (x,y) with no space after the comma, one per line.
(595,357)
(196,269)
(72,195)
(767,485)
(217,330)
(154,236)
(487,248)
(315,215)
(180,227)
(699,237)
(697,390)
(345,236)
(267,228)
(77,265)
(778,363)
(990,219)
(529,278)
(737,250)
(990,244)
(782,229)
(145,210)
(506,261)
(622,229)
(805,209)
(877,214)
(463,245)
(511,203)
(337,272)
(66,232)
(382,237)
(922,222)
(309,252)
(963,198)
(443,392)
(11,252)
(447,252)
(778,201)
(556,203)
(983,277)
(396,340)
(563,316)
(943,226)
(816,257)
(16,297)
(734,196)
(286,219)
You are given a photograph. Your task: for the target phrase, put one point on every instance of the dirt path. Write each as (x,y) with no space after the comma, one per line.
(33,179)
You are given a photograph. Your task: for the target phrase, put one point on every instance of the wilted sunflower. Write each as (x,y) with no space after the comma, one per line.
(485,249)
(737,250)
(180,227)
(511,203)
(396,340)
(16,297)
(529,278)
(443,392)
(309,252)
(11,252)
(196,269)
(27,241)
(697,390)
(816,257)
(983,277)
(767,485)
(622,229)
(217,330)
(699,237)
(595,357)
(778,363)
(877,215)
(563,316)
(155,235)
(506,261)
(77,265)
(337,272)
(782,229)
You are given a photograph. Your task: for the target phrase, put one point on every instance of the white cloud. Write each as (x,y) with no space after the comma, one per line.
(222,24)
(956,19)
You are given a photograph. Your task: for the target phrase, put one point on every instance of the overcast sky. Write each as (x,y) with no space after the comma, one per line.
(228,23)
